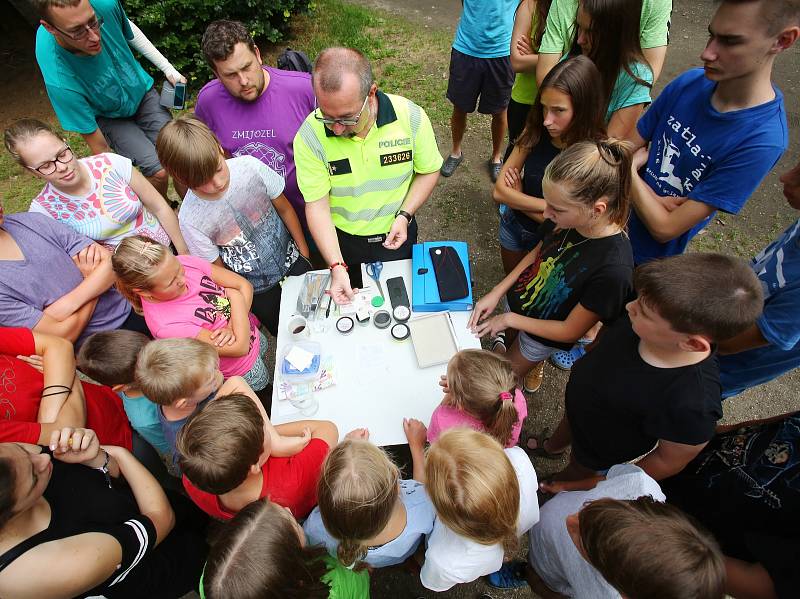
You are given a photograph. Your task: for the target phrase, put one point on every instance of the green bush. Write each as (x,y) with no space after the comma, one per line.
(176,27)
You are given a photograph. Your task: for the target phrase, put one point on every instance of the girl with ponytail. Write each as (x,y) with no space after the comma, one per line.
(366,514)
(480,392)
(263,554)
(580,271)
(186,296)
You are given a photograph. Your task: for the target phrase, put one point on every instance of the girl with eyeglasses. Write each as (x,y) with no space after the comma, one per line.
(102,197)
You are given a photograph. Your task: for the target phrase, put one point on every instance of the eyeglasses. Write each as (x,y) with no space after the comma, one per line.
(65,156)
(83,32)
(344,122)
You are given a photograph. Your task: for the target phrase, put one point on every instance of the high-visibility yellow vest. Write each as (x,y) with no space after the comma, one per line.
(366,180)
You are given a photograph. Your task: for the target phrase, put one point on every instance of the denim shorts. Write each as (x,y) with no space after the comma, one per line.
(258,375)
(513,236)
(533,350)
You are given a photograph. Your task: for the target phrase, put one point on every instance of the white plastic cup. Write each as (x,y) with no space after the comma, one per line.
(298,328)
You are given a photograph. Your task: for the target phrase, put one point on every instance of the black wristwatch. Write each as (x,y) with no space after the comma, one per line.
(409,217)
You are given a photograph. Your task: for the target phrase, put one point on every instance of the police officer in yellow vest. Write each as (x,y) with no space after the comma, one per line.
(366,161)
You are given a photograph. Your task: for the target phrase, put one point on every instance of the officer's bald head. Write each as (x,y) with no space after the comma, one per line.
(334,64)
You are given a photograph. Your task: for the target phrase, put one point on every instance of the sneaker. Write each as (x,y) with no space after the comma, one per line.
(510,576)
(450,165)
(494,170)
(533,380)
(498,343)
(566,359)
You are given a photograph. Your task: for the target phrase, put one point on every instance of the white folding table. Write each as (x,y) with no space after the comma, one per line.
(377,380)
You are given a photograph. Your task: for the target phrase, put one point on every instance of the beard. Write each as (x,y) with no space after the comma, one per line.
(258,87)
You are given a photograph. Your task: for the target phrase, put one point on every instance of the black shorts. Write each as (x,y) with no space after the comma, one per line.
(489,79)
(357,250)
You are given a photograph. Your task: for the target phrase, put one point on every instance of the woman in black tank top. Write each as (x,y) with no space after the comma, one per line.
(68,528)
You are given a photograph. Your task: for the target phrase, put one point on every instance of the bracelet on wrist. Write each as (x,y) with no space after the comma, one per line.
(104,468)
(60,390)
(342,264)
(57,387)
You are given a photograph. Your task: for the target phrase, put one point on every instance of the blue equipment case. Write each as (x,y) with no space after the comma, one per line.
(424,291)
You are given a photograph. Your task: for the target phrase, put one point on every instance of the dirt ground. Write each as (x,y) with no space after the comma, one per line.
(463,202)
(461,208)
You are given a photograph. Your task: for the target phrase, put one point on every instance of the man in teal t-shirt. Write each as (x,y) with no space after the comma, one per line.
(96,86)
(480,67)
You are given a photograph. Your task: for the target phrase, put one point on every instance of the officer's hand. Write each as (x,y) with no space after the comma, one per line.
(341,292)
(397,234)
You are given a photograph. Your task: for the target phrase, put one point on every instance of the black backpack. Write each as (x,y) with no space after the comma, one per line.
(294,60)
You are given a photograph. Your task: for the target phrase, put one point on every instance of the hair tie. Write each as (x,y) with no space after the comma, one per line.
(506,396)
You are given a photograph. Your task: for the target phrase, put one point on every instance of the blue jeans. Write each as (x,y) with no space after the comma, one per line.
(513,236)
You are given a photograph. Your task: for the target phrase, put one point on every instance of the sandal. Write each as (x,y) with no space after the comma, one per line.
(566,359)
(539,451)
(499,341)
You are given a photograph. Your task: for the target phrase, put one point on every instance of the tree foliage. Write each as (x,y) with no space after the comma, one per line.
(176,26)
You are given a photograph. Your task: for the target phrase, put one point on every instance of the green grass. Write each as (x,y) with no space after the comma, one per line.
(738,236)
(406,60)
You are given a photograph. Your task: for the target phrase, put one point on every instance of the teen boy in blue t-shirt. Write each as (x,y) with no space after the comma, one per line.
(481,75)
(713,133)
(771,346)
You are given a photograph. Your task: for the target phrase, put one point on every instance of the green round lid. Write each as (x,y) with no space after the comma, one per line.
(377,301)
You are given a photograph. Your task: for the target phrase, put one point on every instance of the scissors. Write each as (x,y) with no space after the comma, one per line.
(374,271)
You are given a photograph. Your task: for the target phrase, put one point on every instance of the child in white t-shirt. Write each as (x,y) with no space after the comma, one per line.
(485,500)
(620,539)
(235,214)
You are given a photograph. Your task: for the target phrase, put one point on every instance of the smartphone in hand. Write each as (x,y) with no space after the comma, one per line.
(173,96)
(179,99)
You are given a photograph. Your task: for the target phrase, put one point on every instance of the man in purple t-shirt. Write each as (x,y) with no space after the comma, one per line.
(254,109)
